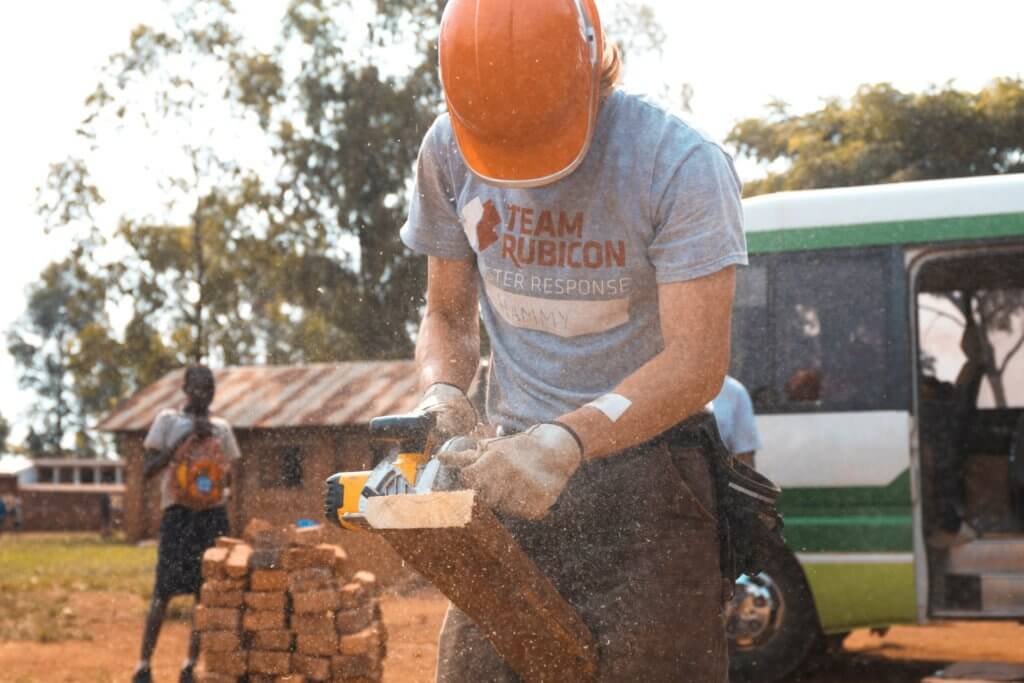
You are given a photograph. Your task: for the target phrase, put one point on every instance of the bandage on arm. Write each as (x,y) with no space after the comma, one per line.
(612,405)
(676,383)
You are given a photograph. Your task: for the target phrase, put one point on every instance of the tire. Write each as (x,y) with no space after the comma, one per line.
(771,622)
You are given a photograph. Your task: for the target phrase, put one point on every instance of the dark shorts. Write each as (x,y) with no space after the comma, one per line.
(632,544)
(184,537)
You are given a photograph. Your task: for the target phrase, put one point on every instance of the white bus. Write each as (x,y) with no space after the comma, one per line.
(879,331)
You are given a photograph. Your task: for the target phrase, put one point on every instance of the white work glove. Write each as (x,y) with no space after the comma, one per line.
(455,415)
(522,474)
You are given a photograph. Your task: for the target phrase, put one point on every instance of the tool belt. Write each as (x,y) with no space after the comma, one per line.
(749,523)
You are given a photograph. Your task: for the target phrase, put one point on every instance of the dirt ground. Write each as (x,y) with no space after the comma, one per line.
(114,620)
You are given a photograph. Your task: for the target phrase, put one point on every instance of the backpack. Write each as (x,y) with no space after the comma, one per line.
(749,523)
(199,470)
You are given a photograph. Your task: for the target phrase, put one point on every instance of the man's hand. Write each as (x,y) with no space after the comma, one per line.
(455,415)
(522,474)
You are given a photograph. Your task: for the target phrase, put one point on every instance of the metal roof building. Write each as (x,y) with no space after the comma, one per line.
(273,397)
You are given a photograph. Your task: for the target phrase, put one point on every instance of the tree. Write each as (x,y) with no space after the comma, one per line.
(884,135)
(64,305)
(5,433)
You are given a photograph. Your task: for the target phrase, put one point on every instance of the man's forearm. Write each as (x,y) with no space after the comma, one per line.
(447,350)
(663,392)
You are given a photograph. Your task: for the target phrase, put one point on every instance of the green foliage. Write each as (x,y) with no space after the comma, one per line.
(884,135)
(5,431)
(65,307)
(292,258)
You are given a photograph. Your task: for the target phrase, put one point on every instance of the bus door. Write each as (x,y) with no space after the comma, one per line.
(969,407)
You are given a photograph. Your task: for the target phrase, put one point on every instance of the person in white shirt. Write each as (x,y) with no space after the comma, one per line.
(734,412)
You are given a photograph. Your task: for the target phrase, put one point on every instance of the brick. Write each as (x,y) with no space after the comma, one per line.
(254,527)
(266,558)
(237,565)
(263,620)
(353,595)
(266,662)
(311,579)
(270,580)
(316,643)
(213,562)
(314,668)
(290,678)
(344,666)
(367,580)
(232,663)
(216,619)
(227,541)
(262,534)
(307,535)
(313,622)
(341,568)
(211,677)
(225,585)
(275,639)
(215,598)
(362,643)
(315,601)
(299,557)
(355,619)
(220,641)
(266,601)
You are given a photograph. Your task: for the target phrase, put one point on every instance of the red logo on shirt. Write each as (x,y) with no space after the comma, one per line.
(487,227)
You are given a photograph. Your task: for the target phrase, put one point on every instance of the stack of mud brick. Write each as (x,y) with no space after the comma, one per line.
(280,606)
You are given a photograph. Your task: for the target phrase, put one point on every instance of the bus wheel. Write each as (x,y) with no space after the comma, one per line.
(771,622)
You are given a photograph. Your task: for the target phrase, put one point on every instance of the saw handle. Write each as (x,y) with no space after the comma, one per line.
(411,433)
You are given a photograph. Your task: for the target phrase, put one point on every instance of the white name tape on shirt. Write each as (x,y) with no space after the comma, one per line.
(565,318)
(612,405)
(471,215)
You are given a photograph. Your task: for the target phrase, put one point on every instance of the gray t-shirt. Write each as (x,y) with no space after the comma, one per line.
(568,272)
(169,427)
(734,413)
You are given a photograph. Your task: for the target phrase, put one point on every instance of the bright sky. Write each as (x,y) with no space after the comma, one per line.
(737,55)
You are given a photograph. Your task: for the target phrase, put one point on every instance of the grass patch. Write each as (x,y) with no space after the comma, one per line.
(40,571)
(46,562)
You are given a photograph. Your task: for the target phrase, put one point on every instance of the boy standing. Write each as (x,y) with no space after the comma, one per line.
(193,452)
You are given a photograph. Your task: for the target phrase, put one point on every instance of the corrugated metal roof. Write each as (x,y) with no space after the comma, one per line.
(268,397)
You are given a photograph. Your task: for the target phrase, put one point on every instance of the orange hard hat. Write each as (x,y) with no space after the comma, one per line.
(522,79)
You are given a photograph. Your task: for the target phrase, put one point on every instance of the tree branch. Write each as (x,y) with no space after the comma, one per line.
(942,314)
(1011,353)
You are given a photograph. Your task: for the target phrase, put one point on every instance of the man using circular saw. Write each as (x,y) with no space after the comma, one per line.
(596,236)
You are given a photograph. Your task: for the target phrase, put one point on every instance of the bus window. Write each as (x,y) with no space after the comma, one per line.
(999,326)
(1002,313)
(830,329)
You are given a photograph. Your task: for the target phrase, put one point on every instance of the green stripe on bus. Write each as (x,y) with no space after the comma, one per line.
(826,500)
(850,518)
(850,533)
(850,596)
(898,232)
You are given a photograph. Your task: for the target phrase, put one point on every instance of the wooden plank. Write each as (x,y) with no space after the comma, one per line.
(460,546)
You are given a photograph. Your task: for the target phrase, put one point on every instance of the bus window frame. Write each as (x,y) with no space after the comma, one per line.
(897,371)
